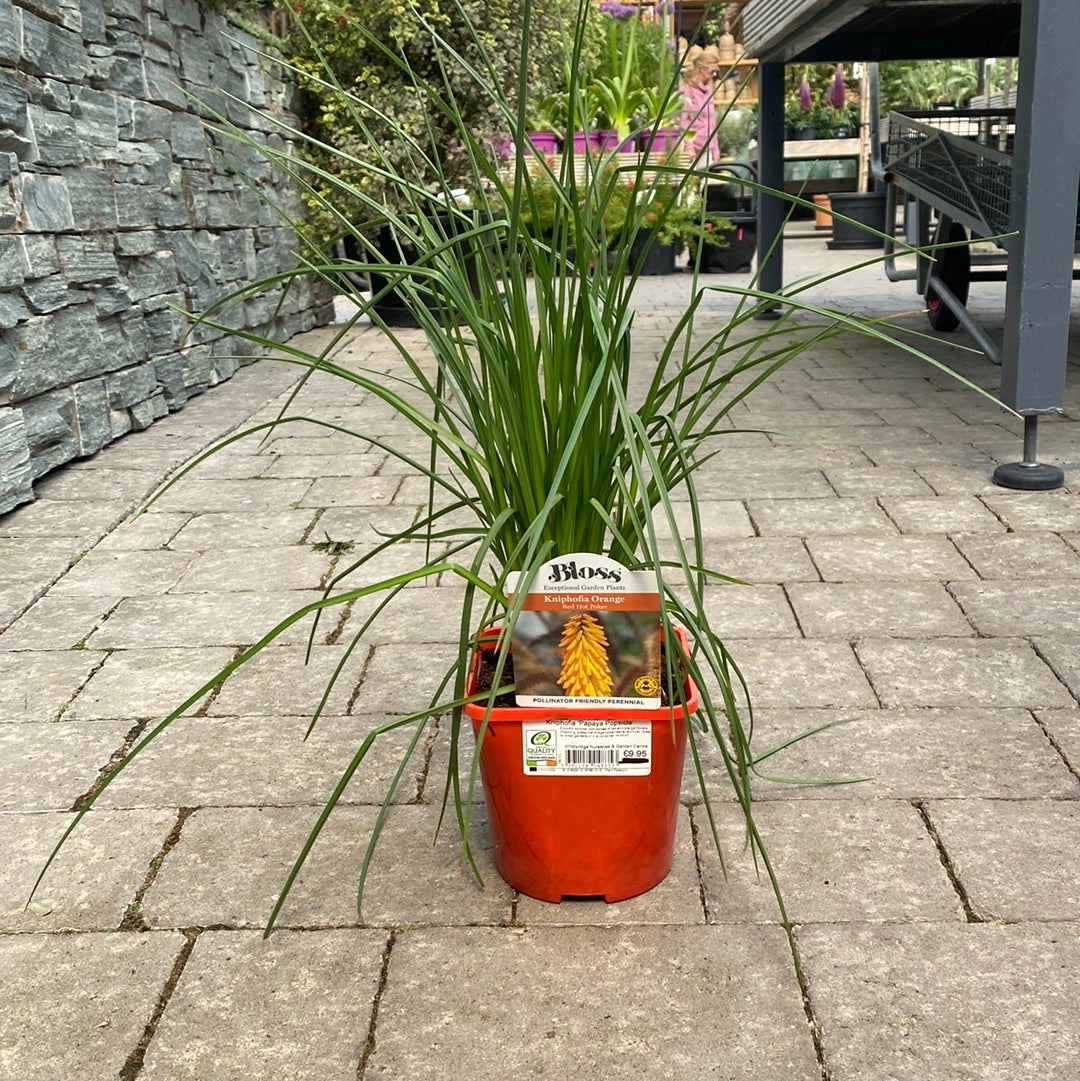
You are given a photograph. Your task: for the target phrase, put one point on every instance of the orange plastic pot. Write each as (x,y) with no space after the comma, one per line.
(581,835)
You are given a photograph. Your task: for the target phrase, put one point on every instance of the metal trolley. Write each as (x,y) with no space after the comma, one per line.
(954,171)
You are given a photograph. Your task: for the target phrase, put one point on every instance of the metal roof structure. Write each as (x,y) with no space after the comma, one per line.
(1046,156)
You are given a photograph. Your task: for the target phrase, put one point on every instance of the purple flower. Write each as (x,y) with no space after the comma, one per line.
(836,95)
(804,95)
(617,10)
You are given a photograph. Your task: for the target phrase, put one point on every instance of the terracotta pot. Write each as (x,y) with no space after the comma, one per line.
(822,217)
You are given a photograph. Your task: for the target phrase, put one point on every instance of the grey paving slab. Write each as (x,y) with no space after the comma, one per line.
(1007,855)
(394,681)
(802,673)
(1058,513)
(75,518)
(48,766)
(358,461)
(358,492)
(146,683)
(855,481)
(1000,608)
(124,573)
(253,569)
(676,900)
(264,760)
(58,623)
(239,461)
(769,482)
(750,611)
(202,619)
(296,1005)
(1019,556)
(230,864)
(666,1003)
(261,529)
(837,861)
(942,514)
(885,558)
(719,519)
(939,1002)
(800,517)
(876,609)
(97,482)
(362,525)
(143,532)
(296,442)
(43,559)
(951,480)
(1063,727)
(761,559)
(402,558)
(95,876)
(75,1006)
(38,686)
(912,754)
(209,494)
(291,681)
(415,616)
(960,672)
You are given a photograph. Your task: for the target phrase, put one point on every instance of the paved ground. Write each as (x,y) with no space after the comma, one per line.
(937,903)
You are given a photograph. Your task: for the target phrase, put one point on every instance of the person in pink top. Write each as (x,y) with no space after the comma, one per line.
(699,112)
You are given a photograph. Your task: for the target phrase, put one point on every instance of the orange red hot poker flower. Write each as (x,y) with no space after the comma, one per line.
(585,672)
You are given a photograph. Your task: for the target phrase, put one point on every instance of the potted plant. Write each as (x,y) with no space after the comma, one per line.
(539,436)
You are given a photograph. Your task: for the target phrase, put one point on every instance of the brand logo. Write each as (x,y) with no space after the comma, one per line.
(539,739)
(572,571)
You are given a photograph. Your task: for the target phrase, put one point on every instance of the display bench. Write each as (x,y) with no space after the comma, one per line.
(647,166)
(800,180)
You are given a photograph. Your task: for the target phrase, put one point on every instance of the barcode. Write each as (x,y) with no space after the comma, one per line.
(591,756)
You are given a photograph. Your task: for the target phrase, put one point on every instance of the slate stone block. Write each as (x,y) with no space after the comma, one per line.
(9,42)
(188,137)
(46,204)
(52,50)
(54,350)
(46,294)
(87,259)
(150,275)
(91,412)
(130,386)
(15,479)
(93,199)
(13,310)
(49,418)
(13,96)
(12,269)
(96,121)
(39,256)
(93,21)
(169,371)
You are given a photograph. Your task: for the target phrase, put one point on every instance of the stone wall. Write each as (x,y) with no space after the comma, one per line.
(117,215)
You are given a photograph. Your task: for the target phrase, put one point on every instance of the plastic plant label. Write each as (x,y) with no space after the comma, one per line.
(596,748)
(588,636)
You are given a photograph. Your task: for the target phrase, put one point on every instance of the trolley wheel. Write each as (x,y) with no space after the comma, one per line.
(953,267)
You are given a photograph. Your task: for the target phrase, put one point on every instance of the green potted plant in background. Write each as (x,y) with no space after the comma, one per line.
(541,435)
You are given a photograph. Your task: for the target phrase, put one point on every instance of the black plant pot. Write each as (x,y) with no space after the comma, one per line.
(397,308)
(659,258)
(865,208)
(739,254)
